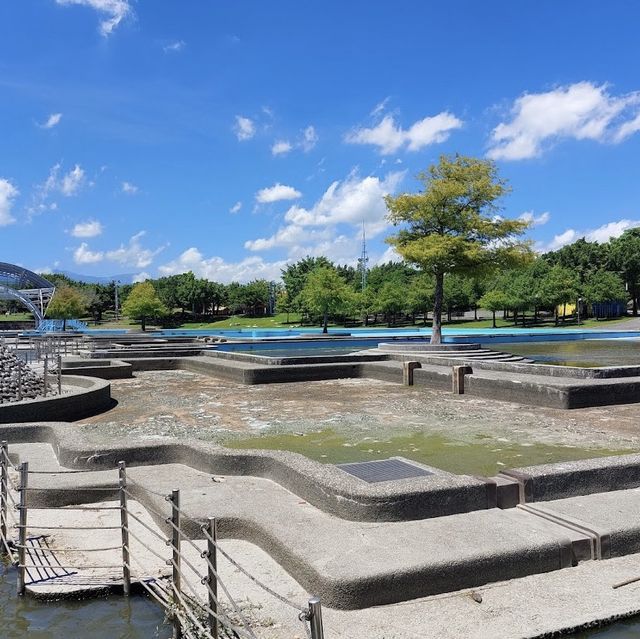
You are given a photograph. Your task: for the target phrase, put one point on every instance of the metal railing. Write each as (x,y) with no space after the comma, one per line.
(193,613)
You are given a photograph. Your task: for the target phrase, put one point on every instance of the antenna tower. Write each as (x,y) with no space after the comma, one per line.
(363,260)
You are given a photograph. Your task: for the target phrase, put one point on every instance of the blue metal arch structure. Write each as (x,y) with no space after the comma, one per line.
(30,289)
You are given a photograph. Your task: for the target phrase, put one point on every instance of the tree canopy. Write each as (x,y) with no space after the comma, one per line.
(143,303)
(453,226)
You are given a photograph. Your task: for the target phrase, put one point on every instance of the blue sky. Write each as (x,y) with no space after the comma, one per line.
(230,137)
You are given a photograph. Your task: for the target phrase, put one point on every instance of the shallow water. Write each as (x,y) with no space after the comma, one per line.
(621,630)
(586,353)
(484,455)
(109,618)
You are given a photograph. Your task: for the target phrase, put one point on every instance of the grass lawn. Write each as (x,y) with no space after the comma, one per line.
(239,321)
(16,317)
(500,323)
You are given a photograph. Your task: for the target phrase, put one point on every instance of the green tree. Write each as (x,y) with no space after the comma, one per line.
(392,298)
(559,286)
(494,300)
(143,303)
(420,296)
(67,303)
(624,257)
(604,286)
(456,293)
(326,293)
(295,275)
(453,226)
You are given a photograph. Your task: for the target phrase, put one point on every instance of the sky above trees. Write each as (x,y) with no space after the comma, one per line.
(231,138)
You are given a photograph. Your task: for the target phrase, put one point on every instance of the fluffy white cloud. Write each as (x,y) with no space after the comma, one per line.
(349,202)
(92,228)
(535,220)
(244,128)
(281,147)
(52,120)
(174,47)
(216,268)
(276,193)
(581,111)
(236,207)
(141,277)
(83,255)
(309,138)
(389,137)
(133,253)
(115,11)
(72,182)
(129,189)
(8,193)
(600,234)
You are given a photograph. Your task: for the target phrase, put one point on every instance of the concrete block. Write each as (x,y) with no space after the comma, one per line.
(407,372)
(457,378)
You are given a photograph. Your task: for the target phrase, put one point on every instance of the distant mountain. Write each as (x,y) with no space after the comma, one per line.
(125,278)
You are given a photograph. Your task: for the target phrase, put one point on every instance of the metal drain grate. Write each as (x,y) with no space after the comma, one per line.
(383,470)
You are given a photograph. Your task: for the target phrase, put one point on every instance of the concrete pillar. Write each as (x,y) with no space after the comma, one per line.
(407,372)
(457,377)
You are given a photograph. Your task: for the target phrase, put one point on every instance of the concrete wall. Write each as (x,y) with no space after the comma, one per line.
(86,396)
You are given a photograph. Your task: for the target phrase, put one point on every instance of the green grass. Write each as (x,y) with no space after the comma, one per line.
(16,317)
(500,323)
(239,321)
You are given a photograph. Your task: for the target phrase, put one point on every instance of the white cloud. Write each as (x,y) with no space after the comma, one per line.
(389,137)
(72,181)
(535,220)
(309,138)
(581,111)
(83,255)
(8,193)
(244,128)
(133,253)
(276,193)
(52,120)
(217,269)
(141,277)
(349,202)
(390,255)
(114,10)
(281,147)
(129,189)
(236,207)
(174,47)
(91,228)
(600,234)
(380,107)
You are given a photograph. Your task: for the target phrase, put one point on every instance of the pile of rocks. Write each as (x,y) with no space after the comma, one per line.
(13,373)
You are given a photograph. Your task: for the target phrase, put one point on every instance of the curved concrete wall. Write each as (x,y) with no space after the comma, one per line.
(85,396)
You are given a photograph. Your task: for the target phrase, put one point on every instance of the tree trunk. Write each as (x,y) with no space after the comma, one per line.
(325,322)
(64,324)
(475,313)
(635,301)
(143,321)
(556,314)
(436,328)
(494,319)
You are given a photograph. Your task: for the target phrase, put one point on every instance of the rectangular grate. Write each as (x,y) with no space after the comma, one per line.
(383,470)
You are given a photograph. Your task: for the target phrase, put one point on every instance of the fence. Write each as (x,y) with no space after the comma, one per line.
(193,615)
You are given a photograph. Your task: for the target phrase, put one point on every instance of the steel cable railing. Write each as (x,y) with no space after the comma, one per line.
(185,608)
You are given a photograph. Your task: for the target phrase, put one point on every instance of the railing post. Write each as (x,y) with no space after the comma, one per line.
(124,524)
(59,375)
(22,528)
(212,571)
(315,618)
(175,548)
(4,483)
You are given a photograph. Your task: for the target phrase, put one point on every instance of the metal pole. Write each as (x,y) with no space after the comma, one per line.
(315,618)
(212,570)
(175,547)
(19,381)
(46,369)
(4,488)
(124,522)
(22,528)
(59,375)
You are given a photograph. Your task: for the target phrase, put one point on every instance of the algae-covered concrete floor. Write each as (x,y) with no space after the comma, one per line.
(358,419)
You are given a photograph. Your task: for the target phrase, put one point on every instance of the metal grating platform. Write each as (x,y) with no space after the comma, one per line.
(384,470)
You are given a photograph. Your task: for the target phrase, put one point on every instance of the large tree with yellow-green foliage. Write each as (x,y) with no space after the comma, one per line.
(67,303)
(143,303)
(453,226)
(326,293)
